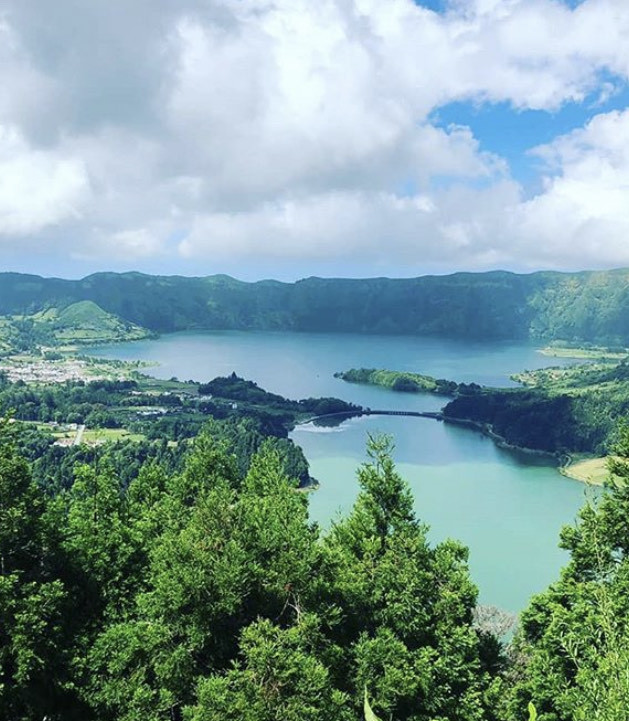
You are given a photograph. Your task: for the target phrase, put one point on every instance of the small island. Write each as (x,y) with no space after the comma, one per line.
(405,382)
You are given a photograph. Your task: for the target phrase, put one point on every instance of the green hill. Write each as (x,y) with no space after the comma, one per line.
(399,381)
(86,322)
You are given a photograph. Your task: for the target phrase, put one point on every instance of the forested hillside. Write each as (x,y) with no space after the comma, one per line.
(560,410)
(579,307)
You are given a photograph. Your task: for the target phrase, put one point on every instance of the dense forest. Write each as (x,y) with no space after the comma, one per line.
(205,594)
(559,410)
(574,307)
(158,419)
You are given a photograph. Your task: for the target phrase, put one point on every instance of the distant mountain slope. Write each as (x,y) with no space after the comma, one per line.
(587,306)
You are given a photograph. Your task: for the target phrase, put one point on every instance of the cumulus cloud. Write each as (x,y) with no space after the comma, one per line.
(289,131)
(37,188)
(583,211)
(135,244)
(380,228)
(579,219)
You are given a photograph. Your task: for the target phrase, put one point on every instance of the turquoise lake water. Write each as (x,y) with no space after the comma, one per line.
(508,508)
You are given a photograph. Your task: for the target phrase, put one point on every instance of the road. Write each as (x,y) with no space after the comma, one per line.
(79,435)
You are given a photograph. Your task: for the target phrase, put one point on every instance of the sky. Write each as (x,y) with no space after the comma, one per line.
(289,138)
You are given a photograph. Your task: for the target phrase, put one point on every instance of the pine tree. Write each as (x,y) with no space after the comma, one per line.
(573,650)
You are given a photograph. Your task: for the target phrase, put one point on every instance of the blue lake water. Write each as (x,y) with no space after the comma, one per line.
(507,508)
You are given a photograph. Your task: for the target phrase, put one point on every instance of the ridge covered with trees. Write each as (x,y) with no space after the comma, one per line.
(559,410)
(574,307)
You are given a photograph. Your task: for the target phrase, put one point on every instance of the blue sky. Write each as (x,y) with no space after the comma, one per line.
(287,139)
(511,133)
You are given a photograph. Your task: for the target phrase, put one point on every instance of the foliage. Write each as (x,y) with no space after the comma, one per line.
(202,594)
(237,389)
(559,410)
(154,413)
(573,649)
(400,611)
(402,381)
(33,600)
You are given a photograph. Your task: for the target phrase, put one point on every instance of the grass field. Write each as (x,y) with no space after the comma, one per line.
(588,470)
(584,353)
(107,435)
(90,435)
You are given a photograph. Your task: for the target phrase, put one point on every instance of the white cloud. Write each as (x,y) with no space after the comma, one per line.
(25,91)
(375,227)
(37,188)
(133,244)
(322,94)
(293,130)
(583,212)
(579,219)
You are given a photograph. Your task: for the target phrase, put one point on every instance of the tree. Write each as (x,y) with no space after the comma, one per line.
(278,677)
(228,553)
(207,595)
(573,649)
(400,611)
(35,608)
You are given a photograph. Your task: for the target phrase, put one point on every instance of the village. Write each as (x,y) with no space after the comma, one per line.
(41,370)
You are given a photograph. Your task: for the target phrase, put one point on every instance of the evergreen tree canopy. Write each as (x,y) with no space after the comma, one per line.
(573,651)
(204,595)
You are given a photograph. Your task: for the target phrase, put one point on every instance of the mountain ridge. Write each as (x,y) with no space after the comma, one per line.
(584,306)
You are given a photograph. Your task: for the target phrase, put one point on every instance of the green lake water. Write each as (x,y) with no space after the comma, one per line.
(508,508)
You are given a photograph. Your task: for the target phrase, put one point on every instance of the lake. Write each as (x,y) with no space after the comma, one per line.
(508,508)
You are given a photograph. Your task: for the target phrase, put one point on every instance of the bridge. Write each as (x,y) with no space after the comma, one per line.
(435,415)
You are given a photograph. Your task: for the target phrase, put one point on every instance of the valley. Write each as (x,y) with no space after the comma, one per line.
(89,392)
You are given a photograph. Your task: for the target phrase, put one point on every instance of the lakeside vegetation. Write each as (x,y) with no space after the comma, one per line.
(405,382)
(559,410)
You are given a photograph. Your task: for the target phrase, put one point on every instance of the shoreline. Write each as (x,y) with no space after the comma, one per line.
(590,470)
(597,353)
(487,430)
(563,462)
(587,469)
